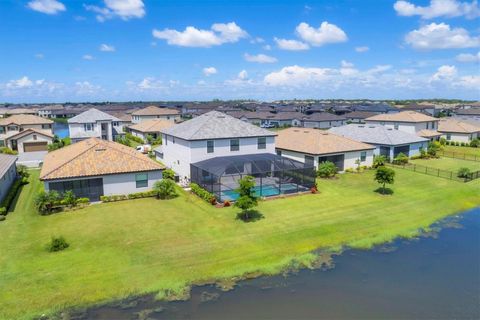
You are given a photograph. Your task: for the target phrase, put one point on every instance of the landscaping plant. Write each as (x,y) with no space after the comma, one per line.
(168,174)
(57,244)
(327,169)
(379,161)
(165,189)
(247,199)
(463,173)
(384,175)
(401,158)
(45,201)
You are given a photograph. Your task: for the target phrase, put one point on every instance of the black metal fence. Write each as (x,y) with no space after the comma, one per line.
(437,172)
(459,155)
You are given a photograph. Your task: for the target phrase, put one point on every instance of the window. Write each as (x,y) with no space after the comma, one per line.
(141,180)
(433,125)
(34,137)
(2,143)
(363,156)
(88,127)
(449,136)
(262,143)
(427,125)
(234,145)
(309,160)
(279,152)
(46,126)
(395,126)
(165,137)
(173,139)
(2,130)
(210,146)
(115,123)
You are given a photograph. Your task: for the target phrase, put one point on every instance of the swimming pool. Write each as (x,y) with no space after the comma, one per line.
(263,191)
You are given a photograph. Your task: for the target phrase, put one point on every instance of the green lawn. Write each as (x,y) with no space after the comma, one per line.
(149,245)
(448,164)
(463,150)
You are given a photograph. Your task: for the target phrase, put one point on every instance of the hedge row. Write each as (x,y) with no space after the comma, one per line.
(202,193)
(7,202)
(120,197)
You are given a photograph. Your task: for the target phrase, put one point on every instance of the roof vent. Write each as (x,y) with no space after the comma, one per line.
(100,149)
(371,127)
(361,126)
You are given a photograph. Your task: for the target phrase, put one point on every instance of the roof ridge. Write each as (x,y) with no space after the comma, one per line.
(119,148)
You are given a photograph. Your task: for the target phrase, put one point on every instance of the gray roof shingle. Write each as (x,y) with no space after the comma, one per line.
(377,134)
(6,162)
(215,125)
(92,115)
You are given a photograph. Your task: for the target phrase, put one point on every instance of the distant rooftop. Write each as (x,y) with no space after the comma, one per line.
(92,115)
(155,111)
(404,116)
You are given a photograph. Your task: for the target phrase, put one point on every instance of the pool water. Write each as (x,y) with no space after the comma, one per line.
(61,130)
(263,191)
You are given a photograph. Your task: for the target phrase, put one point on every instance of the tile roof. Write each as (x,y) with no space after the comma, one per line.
(155,111)
(215,125)
(453,125)
(6,162)
(92,115)
(428,133)
(314,141)
(23,119)
(323,116)
(376,134)
(360,114)
(404,116)
(468,112)
(26,132)
(94,157)
(154,125)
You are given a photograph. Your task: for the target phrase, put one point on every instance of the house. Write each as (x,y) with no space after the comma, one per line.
(408,121)
(359,116)
(94,167)
(458,131)
(471,115)
(149,127)
(387,141)
(26,133)
(323,120)
(94,123)
(428,109)
(153,112)
(8,173)
(210,135)
(47,111)
(379,107)
(313,146)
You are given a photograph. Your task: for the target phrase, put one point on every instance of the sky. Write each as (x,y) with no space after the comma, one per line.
(132,50)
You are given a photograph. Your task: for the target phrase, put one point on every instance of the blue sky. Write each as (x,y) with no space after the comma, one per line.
(118,50)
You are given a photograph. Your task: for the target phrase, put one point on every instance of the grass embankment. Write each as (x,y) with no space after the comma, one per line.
(463,150)
(148,245)
(449,164)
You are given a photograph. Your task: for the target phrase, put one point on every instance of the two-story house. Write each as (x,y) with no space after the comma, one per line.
(153,112)
(211,135)
(94,123)
(409,121)
(26,133)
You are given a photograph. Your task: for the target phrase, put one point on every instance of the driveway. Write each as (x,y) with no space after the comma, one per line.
(31,159)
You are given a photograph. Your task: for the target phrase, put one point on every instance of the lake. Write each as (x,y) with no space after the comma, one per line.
(61,130)
(431,277)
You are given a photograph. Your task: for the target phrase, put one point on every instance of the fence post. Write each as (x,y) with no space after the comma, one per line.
(438,172)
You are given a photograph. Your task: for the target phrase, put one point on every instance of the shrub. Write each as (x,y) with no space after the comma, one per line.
(379,161)
(2,217)
(57,244)
(83,200)
(168,174)
(443,141)
(462,144)
(70,199)
(7,202)
(401,158)
(45,201)
(327,169)
(130,136)
(202,193)
(463,173)
(124,141)
(7,150)
(433,148)
(165,188)
(475,143)
(3,211)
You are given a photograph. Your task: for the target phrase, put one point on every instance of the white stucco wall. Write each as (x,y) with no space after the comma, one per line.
(29,138)
(409,127)
(138,119)
(77,130)
(460,137)
(322,124)
(179,155)
(6,181)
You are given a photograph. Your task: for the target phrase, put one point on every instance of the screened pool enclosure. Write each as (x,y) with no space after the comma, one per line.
(273,175)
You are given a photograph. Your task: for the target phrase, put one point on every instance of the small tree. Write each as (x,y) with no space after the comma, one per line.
(165,188)
(327,169)
(57,244)
(168,174)
(384,175)
(247,199)
(433,148)
(379,161)
(463,173)
(443,141)
(358,162)
(45,201)
(70,199)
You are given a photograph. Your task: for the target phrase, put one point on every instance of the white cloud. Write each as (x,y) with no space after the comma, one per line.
(209,71)
(441,36)
(124,9)
(444,72)
(218,34)
(267,47)
(438,8)
(326,33)
(257,40)
(296,75)
(471,82)
(259,58)
(47,6)
(292,45)
(87,57)
(362,49)
(106,48)
(23,82)
(468,57)
(346,64)
(243,75)
(85,88)
(39,55)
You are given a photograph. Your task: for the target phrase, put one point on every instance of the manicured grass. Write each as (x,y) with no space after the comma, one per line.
(148,245)
(463,150)
(448,164)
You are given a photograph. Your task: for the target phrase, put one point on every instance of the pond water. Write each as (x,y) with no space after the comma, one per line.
(434,277)
(61,130)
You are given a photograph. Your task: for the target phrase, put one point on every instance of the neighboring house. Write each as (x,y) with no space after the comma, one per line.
(125,118)
(8,173)
(47,112)
(428,109)
(153,112)
(94,167)
(94,123)
(380,107)
(17,111)
(312,146)
(458,131)
(359,116)
(26,133)
(388,142)
(213,134)
(470,114)
(408,121)
(323,120)
(150,127)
